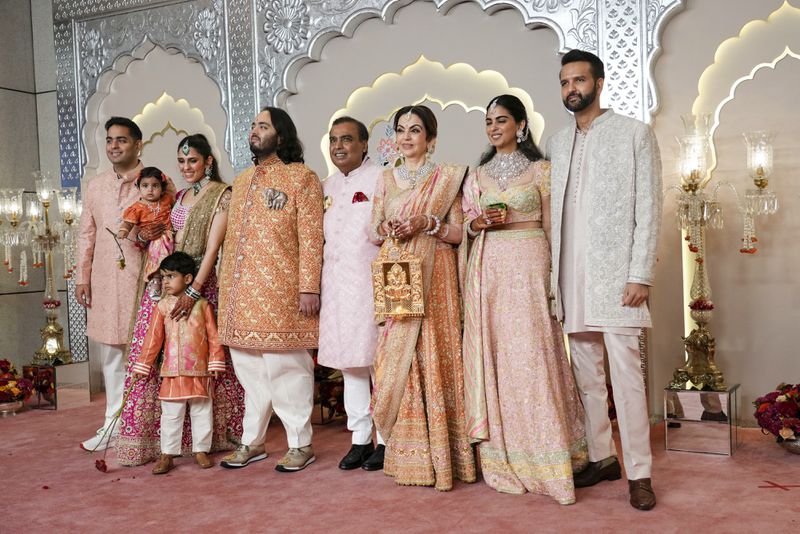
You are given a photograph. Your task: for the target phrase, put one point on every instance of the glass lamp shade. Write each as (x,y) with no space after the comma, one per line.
(13,207)
(34,209)
(67,204)
(697,124)
(759,153)
(45,187)
(693,158)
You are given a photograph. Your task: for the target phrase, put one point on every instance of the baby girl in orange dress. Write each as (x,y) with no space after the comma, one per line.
(153,207)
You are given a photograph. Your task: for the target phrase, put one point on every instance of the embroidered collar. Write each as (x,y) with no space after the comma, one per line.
(273,159)
(606,113)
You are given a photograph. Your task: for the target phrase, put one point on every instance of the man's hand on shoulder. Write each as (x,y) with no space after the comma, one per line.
(634,294)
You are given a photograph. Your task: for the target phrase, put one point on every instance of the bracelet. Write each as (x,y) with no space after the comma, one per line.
(446,228)
(192,293)
(470,231)
(429,223)
(378,234)
(140,240)
(436,227)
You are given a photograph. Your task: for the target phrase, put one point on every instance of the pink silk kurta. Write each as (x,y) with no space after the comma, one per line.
(347,331)
(105,198)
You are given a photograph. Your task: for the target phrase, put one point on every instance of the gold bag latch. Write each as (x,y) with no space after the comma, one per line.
(397,283)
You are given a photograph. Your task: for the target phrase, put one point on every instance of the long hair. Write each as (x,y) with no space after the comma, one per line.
(203,147)
(517,110)
(290,149)
(425,115)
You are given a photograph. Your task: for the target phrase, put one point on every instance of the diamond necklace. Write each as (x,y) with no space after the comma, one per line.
(404,173)
(507,168)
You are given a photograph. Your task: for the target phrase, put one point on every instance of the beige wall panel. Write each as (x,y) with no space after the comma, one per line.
(16,46)
(44,52)
(47,121)
(19,151)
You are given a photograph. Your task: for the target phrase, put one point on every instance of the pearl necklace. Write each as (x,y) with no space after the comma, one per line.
(507,168)
(404,173)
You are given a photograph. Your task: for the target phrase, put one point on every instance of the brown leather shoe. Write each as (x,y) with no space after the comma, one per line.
(597,472)
(203,460)
(642,495)
(163,465)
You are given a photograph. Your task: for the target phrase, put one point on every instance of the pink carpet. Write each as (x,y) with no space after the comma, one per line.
(50,485)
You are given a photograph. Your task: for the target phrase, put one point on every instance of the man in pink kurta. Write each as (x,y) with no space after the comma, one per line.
(106,291)
(347,331)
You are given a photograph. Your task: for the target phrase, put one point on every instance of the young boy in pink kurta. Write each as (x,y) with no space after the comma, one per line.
(191,354)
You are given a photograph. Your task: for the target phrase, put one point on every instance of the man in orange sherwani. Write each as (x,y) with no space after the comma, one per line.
(269,290)
(106,291)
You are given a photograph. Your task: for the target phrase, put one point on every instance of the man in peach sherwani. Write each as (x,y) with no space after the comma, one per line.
(269,290)
(106,291)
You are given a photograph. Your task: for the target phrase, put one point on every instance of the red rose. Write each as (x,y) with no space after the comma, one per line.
(359,197)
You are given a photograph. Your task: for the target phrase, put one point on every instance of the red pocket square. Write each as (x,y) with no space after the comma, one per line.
(360,197)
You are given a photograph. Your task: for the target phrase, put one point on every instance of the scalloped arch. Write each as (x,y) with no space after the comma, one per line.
(459,84)
(386,13)
(760,44)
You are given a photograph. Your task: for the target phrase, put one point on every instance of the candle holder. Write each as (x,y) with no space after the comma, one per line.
(44,238)
(696,211)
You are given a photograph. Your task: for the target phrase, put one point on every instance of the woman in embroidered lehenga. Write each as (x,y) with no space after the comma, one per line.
(199,219)
(522,403)
(418,403)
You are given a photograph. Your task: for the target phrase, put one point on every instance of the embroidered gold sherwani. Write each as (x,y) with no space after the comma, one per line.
(270,257)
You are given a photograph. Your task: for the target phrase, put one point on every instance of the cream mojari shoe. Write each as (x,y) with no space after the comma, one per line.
(296,460)
(243,456)
(100,441)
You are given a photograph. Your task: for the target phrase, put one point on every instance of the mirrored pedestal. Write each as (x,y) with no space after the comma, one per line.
(702,421)
(58,386)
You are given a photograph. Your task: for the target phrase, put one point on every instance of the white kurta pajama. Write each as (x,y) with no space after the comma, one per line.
(606,210)
(347,330)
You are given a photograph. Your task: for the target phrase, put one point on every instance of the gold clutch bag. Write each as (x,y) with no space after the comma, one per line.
(397,283)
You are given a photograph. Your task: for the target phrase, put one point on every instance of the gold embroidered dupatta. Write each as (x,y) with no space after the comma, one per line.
(198,222)
(397,342)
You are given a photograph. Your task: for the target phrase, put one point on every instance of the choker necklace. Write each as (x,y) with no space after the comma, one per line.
(197,186)
(507,168)
(412,176)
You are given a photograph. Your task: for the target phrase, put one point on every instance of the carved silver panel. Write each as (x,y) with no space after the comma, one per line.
(253,50)
(624,33)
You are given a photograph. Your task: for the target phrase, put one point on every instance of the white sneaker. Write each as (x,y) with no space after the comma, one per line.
(100,441)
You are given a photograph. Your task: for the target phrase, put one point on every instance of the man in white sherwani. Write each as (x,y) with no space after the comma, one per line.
(347,330)
(606,211)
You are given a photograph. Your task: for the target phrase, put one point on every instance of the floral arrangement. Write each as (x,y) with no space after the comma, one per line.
(12,387)
(701,304)
(778,412)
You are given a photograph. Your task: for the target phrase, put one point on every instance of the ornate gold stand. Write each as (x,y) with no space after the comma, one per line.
(53,350)
(700,371)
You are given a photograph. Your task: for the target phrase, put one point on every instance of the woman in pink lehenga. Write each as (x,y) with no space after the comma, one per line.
(199,219)
(522,404)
